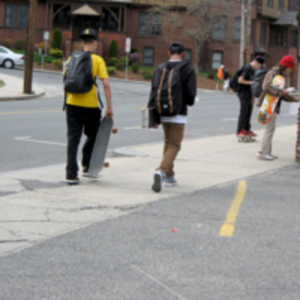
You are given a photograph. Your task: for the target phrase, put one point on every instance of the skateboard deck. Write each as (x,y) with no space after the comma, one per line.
(97,161)
(246,139)
(269,103)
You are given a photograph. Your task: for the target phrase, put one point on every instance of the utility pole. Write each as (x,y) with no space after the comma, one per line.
(242,39)
(249,27)
(27,89)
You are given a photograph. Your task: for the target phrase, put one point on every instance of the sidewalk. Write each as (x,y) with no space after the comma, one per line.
(13,89)
(36,204)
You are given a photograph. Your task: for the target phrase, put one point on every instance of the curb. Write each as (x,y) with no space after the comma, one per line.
(23,97)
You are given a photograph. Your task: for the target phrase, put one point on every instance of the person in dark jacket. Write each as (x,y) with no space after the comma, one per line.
(285,67)
(173,126)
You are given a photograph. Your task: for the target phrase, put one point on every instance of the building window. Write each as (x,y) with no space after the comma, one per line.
(148,56)
(110,19)
(237,29)
(217,59)
(281,5)
(293,5)
(62,19)
(278,36)
(188,55)
(143,24)
(294,38)
(149,25)
(270,3)
(16,15)
(219,28)
(263,34)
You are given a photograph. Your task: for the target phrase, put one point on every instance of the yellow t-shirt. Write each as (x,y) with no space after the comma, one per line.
(90,98)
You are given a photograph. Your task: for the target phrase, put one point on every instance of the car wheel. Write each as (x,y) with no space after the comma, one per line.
(8,64)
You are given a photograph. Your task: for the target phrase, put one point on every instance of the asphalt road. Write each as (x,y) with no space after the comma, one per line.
(171,249)
(33,133)
(138,256)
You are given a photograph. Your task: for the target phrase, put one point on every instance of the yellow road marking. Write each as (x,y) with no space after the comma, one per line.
(228,227)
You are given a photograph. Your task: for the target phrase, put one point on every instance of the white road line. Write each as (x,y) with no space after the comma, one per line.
(229,120)
(29,139)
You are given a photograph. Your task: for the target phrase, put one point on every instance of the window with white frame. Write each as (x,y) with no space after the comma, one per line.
(217,59)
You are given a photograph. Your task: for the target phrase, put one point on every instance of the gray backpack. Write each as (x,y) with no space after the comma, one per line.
(256,87)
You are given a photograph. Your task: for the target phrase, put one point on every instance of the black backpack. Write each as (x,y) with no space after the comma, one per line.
(167,89)
(234,84)
(256,87)
(78,77)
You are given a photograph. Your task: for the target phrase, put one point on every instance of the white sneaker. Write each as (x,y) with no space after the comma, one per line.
(86,174)
(170,182)
(159,177)
(274,156)
(264,156)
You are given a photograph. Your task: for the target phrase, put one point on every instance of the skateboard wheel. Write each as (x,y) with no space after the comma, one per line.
(106,164)
(115,130)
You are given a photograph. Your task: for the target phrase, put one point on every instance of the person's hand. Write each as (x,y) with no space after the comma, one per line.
(284,93)
(109,113)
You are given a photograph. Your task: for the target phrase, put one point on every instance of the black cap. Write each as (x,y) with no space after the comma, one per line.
(176,48)
(260,59)
(89,33)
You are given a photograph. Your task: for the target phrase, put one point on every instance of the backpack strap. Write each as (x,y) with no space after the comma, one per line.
(159,90)
(170,91)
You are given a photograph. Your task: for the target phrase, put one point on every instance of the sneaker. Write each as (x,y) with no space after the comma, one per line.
(73,181)
(170,182)
(264,156)
(242,133)
(274,156)
(251,133)
(159,177)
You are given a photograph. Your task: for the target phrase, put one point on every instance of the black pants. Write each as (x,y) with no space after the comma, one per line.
(245,114)
(79,119)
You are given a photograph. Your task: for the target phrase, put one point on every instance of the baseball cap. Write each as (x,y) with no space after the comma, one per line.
(260,59)
(176,48)
(288,61)
(89,33)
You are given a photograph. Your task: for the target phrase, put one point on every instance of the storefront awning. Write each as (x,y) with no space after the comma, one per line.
(85,10)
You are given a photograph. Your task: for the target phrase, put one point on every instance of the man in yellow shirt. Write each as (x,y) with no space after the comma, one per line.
(83,112)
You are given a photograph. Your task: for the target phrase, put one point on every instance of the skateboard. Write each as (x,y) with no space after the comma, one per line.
(269,103)
(246,139)
(97,161)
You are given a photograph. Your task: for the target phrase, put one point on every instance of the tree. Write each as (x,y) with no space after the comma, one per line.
(198,21)
(56,39)
(113,49)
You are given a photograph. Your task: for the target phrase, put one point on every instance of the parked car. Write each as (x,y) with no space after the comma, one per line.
(9,59)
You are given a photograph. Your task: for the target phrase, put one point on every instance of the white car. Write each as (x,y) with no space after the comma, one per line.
(9,59)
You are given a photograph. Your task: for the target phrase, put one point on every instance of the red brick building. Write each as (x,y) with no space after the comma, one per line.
(274,29)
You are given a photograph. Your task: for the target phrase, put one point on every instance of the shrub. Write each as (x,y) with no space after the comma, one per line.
(135,58)
(56,39)
(147,75)
(212,75)
(57,64)
(113,49)
(42,45)
(123,60)
(134,50)
(120,65)
(111,70)
(56,53)
(20,44)
(7,43)
(135,67)
(106,60)
(113,62)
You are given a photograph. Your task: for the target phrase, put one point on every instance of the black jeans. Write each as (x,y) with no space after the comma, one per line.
(79,119)
(245,114)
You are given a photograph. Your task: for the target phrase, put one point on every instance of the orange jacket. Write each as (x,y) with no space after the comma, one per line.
(220,73)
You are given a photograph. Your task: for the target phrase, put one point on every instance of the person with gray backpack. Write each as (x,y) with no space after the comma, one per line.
(173,88)
(82,102)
